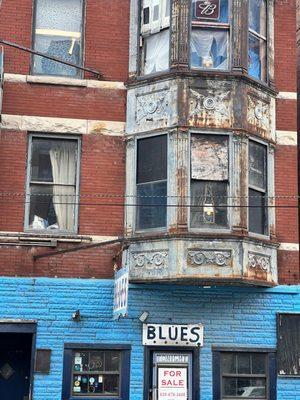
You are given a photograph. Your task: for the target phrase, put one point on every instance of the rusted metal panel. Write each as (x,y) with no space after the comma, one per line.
(209,158)
(288,344)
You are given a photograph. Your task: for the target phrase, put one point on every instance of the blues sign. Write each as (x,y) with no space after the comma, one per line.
(121,293)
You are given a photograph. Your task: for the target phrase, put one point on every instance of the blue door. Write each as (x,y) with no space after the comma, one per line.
(15,361)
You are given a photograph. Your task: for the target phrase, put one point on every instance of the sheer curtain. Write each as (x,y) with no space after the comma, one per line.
(157,52)
(63,161)
(209,45)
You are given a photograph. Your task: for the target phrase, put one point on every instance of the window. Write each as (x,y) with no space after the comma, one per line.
(257,49)
(152,182)
(243,375)
(52,184)
(96,371)
(155,35)
(258,196)
(209,181)
(58,33)
(209,48)
(288,344)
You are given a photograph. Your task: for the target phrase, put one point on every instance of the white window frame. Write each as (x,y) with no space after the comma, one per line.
(53,232)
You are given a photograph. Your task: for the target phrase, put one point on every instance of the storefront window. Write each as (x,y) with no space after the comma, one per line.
(155,35)
(257,49)
(96,372)
(209,48)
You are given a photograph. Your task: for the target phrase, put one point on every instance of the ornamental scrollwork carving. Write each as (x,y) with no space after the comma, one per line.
(152,107)
(259,261)
(151,260)
(258,113)
(218,258)
(210,109)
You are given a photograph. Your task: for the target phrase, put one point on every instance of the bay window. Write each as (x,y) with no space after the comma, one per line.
(58,33)
(210,34)
(155,35)
(151,182)
(257,47)
(209,181)
(258,211)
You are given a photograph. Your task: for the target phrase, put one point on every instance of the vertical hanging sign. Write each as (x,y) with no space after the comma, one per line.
(121,293)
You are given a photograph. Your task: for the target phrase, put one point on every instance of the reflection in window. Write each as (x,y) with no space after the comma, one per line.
(58,33)
(257,49)
(209,181)
(52,185)
(151,182)
(258,211)
(155,35)
(209,48)
(96,372)
(244,375)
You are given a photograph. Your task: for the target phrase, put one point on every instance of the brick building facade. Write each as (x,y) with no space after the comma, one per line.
(124,151)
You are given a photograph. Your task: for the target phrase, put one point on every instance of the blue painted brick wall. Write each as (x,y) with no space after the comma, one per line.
(231,316)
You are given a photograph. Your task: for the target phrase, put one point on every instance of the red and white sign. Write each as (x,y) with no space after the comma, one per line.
(172,383)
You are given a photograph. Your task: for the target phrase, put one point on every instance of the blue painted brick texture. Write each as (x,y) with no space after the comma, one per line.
(231,317)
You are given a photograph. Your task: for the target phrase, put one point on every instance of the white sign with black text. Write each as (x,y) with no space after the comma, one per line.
(172,383)
(173,335)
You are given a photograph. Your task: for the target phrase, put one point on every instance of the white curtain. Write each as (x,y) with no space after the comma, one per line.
(157,52)
(63,161)
(210,44)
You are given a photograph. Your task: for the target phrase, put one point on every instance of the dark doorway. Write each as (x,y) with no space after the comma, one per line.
(15,365)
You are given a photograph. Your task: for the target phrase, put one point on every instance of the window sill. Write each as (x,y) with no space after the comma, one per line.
(76,82)
(36,239)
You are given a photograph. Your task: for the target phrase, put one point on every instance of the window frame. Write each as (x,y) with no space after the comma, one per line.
(230,182)
(258,36)
(69,348)
(157,229)
(79,73)
(141,43)
(271,376)
(267,190)
(212,25)
(54,232)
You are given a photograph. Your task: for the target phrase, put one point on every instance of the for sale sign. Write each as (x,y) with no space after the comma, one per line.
(172,383)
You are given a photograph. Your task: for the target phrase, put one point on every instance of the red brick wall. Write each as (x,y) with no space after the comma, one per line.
(106,36)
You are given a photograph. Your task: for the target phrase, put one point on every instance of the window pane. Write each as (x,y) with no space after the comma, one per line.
(96,361)
(209,48)
(42,214)
(258,364)
(243,364)
(253,388)
(243,385)
(59,14)
(54,161)
(52,207)
(81,361)
(229,386)
(257,55)
(64,48)
(152,159)
(209,201)
(209,157)
(229,363)
(151,210)
(80,384)
(111,384)
(157,52)
(112,361)
(258,16)
(214,10)
(257,165)
(257,212)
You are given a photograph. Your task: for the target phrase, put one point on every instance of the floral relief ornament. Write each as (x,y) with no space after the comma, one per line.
(208,257)
(154,260)
(152,106)
(259,261)
(210,104)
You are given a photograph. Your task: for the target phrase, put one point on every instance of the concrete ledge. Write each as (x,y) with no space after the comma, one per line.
(286,138)
(289,246)
(62,125)
(64,81)
(287,95)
